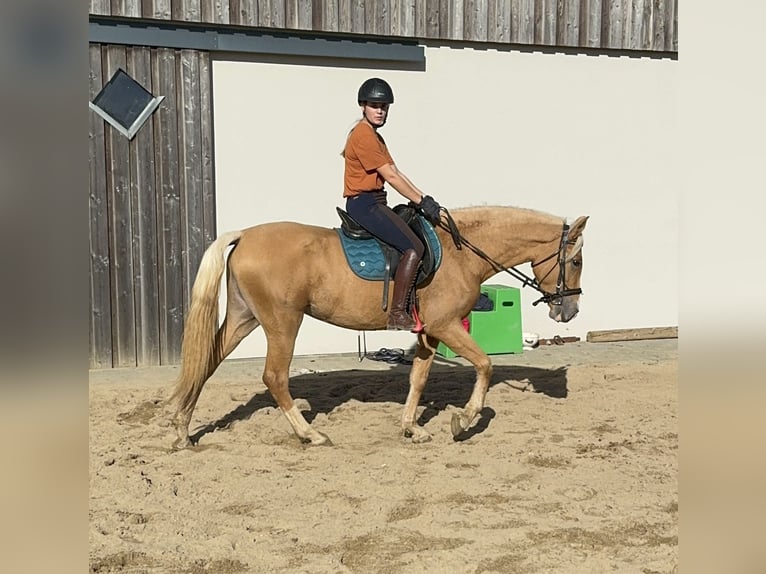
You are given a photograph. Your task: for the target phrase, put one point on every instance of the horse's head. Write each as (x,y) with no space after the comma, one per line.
(558,274)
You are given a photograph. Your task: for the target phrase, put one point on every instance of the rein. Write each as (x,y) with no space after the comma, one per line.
(547,297)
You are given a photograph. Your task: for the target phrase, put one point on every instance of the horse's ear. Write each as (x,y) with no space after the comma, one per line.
(577,227)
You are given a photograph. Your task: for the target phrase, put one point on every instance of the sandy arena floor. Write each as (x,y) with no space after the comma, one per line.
(572,468)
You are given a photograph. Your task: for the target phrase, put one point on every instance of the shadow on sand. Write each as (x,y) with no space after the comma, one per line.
(449,385)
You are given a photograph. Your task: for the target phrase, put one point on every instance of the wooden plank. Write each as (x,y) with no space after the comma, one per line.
(646,26)
(206,124)
(636,40)
(358,16)
(186,10)
(455,28)
(377,18)
(264,13)
(278,13)
(330,15)
(159,9)
(590,19)
(214,11)
(120,232)
(369,17)
(627,20)
(144,223)
(545,22)
(304,14)
(403,18)
(235,12)
(291,14)
(526,24)
(671,25)
(443,11)
(246,13)
(169,247)
(433,18)
(345,23)
(538,21)
(658,25)
(614,335)
(126,8)
(572,22)
(317,14)
(475,20)
(408,18)
(605,9)
(100,7)
(614,23)
(499,17)
(420,18)
(100,325)
(568,23)
(383,17)
(395,8)
(190,158)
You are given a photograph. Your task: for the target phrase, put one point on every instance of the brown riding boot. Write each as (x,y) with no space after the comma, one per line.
(406,273)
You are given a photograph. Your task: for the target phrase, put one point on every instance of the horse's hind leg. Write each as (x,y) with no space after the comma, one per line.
(276,375)
(239,323)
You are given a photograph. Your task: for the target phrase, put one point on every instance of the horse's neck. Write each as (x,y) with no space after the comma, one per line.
(512,236)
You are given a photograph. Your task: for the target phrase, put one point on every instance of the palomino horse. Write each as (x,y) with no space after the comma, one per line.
(279,272)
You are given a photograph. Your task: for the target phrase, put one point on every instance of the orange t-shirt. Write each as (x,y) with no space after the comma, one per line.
(365,152)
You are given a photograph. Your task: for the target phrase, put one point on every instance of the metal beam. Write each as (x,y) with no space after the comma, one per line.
(213,38)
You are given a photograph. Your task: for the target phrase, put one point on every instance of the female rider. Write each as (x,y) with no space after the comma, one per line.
(368,166)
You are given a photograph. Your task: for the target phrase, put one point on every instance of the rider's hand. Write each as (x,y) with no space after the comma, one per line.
(430,209)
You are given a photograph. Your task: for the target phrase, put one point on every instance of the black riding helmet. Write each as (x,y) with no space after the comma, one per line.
(375,90)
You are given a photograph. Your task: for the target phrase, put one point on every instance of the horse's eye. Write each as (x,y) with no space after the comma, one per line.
(576,262)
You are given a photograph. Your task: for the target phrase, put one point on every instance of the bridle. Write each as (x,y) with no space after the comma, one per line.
(561,283)
(547,297)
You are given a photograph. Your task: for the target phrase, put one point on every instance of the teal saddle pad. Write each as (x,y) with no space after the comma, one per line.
(366,257)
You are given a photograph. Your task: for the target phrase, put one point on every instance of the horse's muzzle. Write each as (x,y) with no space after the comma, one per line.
(564,311)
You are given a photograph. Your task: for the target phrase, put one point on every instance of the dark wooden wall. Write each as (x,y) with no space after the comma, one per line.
(152,210)
(650,25)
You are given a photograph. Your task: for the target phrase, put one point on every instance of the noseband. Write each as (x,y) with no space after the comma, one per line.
(547,297)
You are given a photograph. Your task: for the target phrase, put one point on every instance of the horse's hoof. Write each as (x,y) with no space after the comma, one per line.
(421,437)
(318,440)
(458,424)
(417,435)
(180,444)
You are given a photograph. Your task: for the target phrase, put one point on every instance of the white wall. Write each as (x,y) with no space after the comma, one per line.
(570,135)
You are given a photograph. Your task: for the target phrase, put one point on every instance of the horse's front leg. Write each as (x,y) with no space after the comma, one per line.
(463,344)
(421,366)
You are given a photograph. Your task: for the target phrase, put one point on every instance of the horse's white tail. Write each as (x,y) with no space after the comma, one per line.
(198,347)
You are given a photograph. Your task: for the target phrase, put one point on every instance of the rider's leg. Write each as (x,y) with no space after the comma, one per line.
(404,281)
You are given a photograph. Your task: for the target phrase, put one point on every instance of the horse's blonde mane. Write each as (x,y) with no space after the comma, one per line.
(517,215)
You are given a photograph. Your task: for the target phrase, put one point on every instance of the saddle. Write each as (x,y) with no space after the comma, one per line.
(374,260)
